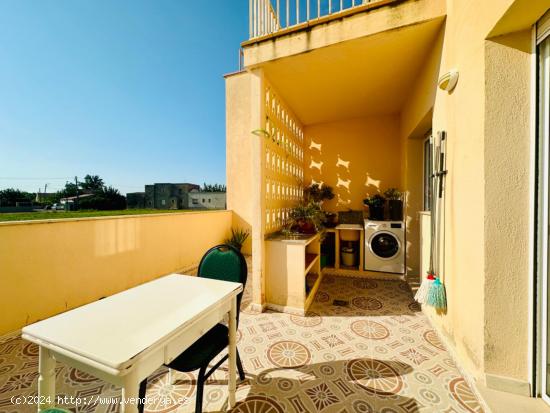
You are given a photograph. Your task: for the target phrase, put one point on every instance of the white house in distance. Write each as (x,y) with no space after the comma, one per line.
(206,200)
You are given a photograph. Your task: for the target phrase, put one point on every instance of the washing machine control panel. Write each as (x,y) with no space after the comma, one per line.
(383,225)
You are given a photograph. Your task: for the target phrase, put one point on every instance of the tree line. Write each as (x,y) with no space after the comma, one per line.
(213,188)
(98,195)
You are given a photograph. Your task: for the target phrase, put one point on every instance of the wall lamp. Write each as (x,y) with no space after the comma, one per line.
(448,81)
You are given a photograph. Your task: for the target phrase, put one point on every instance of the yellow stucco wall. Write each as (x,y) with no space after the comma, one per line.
(507,194)
(355,157)
(416,115)
(487,212)
(245,197)
(486,266)
(51,267)
(239,150)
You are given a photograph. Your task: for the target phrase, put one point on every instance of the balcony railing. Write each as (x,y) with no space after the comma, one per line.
(272,16)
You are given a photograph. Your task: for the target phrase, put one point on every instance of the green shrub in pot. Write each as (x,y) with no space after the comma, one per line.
(376,207)
(238,237)
(317,193)
(307,217)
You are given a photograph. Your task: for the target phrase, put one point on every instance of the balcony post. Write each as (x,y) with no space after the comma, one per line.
(250,18)
(287,13)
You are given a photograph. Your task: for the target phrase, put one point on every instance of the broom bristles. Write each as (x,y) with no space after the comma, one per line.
(436,296)
(422,292)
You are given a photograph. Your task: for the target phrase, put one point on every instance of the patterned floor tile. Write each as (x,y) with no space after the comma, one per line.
(378,354)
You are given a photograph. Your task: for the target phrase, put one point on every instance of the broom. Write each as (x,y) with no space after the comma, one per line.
(437,296)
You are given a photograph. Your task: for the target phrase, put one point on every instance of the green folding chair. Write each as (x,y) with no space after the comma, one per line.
(222,262)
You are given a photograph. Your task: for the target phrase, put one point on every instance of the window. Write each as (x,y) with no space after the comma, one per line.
(428,171)
(203,201)
(209,200)
(195,201)
(163,202)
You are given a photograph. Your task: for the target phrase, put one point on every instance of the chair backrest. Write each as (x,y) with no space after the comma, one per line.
(224,262)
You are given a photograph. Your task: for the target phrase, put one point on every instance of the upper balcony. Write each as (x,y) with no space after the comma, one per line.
(283,28)
(276,17)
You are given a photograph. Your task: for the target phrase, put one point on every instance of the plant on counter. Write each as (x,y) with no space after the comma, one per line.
(395,203)
(376,207)
(319,193)
(238,237)
(307,218)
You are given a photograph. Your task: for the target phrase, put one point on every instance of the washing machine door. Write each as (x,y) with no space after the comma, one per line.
(384,245)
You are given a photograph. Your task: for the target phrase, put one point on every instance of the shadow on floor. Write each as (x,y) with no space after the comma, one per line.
(374,385)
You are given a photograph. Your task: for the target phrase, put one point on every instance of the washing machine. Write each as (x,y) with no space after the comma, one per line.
(385,246)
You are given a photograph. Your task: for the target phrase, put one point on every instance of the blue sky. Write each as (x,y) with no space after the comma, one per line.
(129,90)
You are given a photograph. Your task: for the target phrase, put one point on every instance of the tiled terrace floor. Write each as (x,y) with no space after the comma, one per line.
(376,355)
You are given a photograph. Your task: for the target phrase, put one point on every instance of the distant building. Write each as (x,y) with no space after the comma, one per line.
(73,199)
(135,200)
(44,196)
(168,196)
(207,200)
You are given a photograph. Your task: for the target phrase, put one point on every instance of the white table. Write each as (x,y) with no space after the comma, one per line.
(124,338)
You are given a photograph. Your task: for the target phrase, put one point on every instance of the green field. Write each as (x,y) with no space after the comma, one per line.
(29,216)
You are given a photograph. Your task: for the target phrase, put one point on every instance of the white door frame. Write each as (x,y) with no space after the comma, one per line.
(540,288)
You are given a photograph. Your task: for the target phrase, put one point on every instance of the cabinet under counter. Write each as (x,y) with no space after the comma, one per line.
(289,261)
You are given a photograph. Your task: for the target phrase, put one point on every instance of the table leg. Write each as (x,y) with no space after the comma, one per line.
(130,394)
(171,376)
(232,352)
(46,379)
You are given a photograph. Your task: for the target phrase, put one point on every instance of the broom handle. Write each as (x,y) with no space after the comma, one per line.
(442,174)
(431,269)
(436,217)
(433,215)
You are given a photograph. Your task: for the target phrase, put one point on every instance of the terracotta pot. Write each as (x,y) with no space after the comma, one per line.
(306,227)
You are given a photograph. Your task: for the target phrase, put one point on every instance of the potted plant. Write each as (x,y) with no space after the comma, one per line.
(376,207)
(237,239)
(318,194)
(395,203)
(307,217)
